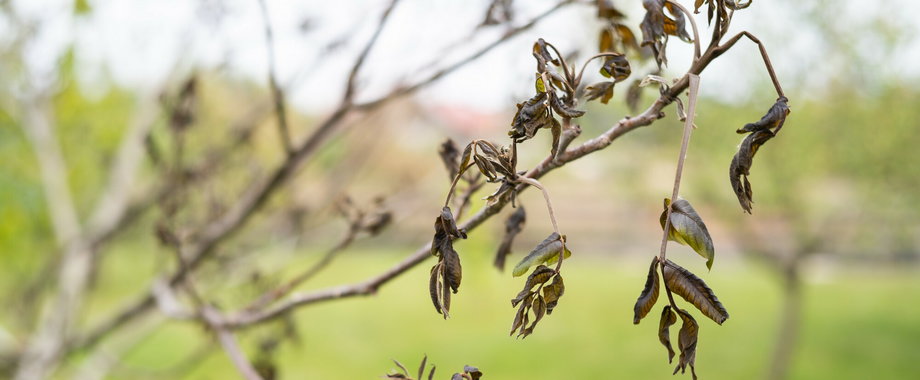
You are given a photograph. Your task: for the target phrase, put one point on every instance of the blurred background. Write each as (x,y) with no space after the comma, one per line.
(126,126)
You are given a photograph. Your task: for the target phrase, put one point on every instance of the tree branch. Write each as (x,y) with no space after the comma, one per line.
(277,93)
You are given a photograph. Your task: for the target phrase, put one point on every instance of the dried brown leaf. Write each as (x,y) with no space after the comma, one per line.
(616,67)
(664,336)
(649,294)
(513,226)
(694,290)
(602,90)
(686,342)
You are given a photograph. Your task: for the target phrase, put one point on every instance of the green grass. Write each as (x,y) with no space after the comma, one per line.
(857,325)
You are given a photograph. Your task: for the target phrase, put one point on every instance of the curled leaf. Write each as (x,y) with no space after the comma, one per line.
(561,108)
(446,274)
(539,276)
(664,336)
(531,115)
(762,131)
(513,226)
(450,156)
(616,67)
(543,253)
(773,120)
(649,294)
(687,228)
(473,372)
(553,292)
(686,342)
(602,90)
(694,290)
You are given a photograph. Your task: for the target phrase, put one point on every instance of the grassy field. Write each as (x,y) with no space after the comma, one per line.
(858,324)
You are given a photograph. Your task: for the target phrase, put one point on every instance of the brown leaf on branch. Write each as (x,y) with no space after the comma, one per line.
(616,67)
(446,274)
(694,290)
(531,301)
(513,226)
(664,336)
(656,26)
(531,115)
(553,292)
(687,228)
(762,131)
(686,342)
(602,90)
(649,294)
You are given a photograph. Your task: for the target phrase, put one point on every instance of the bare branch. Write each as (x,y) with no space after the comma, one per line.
(353,74)
(277,92)
(228,342)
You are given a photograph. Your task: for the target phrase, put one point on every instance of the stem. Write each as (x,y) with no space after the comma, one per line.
(688,128)
(552,215)
(763,53)
(584,65)
(565,67)
(696,33)
(277,93)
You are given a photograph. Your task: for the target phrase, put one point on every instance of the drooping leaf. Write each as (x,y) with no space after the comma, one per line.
(678,25)
(774,118)
(686,342)
(602,90)
(513,226)
(687,228)
(606,9)
(649,294)
(633,96)
(553,292)
(616,67)
(450,156)
(452,269)
(694,290)
(421,367)
(474,372)
(664,336)
(549,247)
(431,374)
(531,115)
(434,286)
(561,108)
(539,276)
(763,130)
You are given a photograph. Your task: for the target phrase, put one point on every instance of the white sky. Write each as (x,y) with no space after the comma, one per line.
(139,42)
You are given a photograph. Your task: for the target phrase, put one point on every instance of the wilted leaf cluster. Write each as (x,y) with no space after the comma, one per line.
(656,26)
(536,298)
(760,131)
(469,372)
(447,273)
(692,289)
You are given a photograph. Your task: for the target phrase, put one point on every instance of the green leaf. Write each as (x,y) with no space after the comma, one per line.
(687,228)
(694,290)
(546,250)
(649,294)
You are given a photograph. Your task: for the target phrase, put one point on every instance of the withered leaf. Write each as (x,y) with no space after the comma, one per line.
(606,9)
(457,376)
(633,96)
(561,108)
(434,286)
(687,228)
(541,53)
(763,130)
(664,336)
(678,25)
(605,43)
(539,276)
(652,27)
(446,274)
(431,374)
(545,252)
(553,292)
(773,120)
(449,156)
(686,342)
(740,167)
(616,67)
(694,290)
(602,90)
(421,367)
(649,294)
(531,115)
(474,372)
(486,168)
(513,226)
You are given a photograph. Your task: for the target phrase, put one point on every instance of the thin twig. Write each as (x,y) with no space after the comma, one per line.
(229,343)
(696,33)
(549,204)
(353,74)
(584,65)
(251,201)
(277,92)
(685,142)
(763,53)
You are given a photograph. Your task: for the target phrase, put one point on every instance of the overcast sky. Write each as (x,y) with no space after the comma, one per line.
(139,42)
